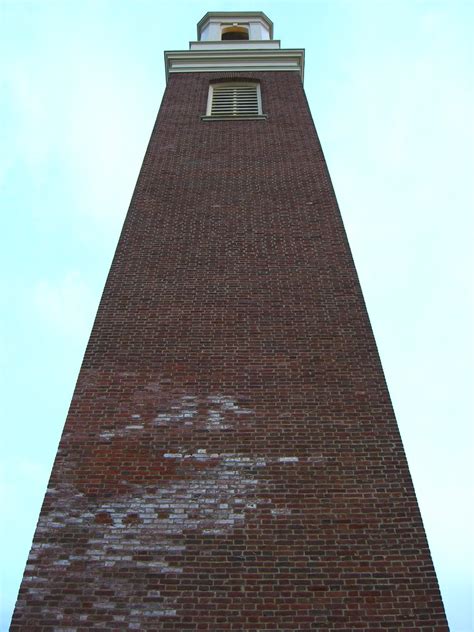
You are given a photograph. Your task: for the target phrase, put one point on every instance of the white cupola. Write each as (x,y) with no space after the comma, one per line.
(236,27)
(234,41)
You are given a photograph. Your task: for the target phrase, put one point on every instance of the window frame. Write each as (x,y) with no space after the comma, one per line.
(234,117)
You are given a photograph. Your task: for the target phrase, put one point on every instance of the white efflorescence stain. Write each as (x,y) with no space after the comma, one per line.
(218,493)
(186,411)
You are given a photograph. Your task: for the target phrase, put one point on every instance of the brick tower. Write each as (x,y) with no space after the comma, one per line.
(231,460)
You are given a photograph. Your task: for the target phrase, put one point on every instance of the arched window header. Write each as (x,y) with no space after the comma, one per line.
(235,32)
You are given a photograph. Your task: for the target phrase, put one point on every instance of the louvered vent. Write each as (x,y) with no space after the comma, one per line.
(237,100)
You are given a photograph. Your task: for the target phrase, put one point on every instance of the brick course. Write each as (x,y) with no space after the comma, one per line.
(231,460)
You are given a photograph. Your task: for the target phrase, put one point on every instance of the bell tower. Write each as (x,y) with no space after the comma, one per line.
(231,459)
(235,42)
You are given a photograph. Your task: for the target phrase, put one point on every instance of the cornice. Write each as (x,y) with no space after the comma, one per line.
(179,61)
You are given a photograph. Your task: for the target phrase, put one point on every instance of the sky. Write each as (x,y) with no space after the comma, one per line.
(391,89)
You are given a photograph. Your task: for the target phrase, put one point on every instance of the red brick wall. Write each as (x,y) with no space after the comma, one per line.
(231,460)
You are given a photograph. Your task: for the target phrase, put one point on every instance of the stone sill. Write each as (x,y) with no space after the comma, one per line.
(258,117)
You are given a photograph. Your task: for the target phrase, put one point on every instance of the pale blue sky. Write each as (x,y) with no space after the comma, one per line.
(390,85)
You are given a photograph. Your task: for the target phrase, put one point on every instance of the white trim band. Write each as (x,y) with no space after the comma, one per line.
(234,61)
